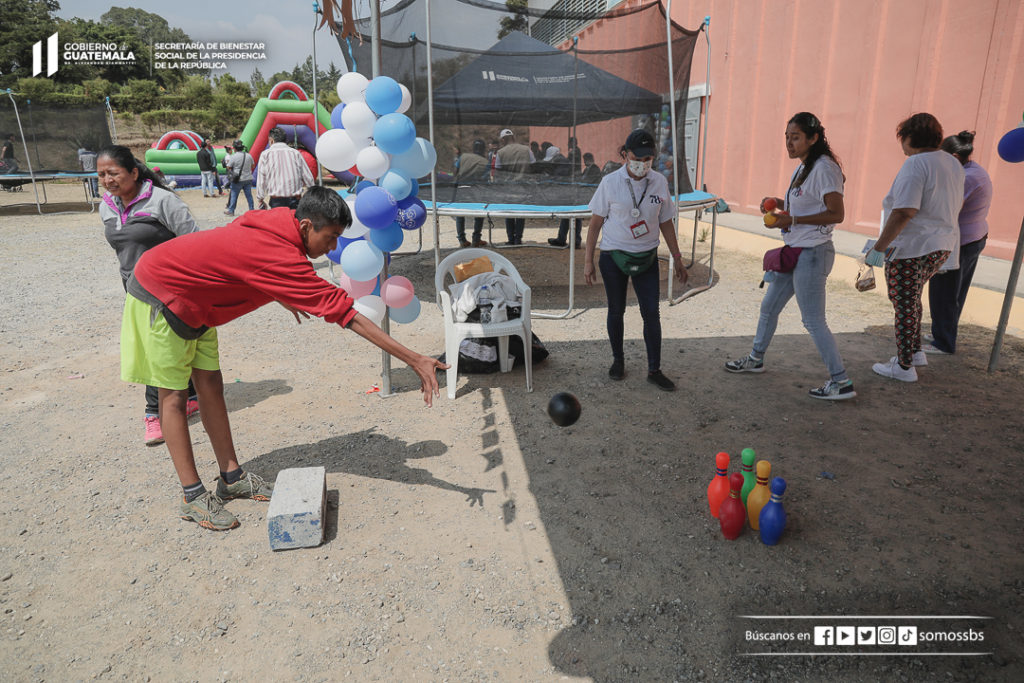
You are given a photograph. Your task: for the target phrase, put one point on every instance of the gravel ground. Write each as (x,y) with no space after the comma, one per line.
(476,540)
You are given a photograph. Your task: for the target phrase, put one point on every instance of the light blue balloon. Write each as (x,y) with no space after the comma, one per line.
(335,254)
(383,95)
(387,239)
(415,189)
(407,313)
(362,261)
(394,133)
(417,160)
(397,182)
(336,115)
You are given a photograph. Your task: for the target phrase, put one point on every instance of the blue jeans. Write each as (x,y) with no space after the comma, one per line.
(207,183)
(947,293)
(807,281)
(244,186)
(647,290)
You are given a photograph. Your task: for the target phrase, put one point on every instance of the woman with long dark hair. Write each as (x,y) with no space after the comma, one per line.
(138,213)
(921,228)
(814,206)
(947,290)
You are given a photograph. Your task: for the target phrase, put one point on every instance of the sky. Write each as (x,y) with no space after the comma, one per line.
(285,26)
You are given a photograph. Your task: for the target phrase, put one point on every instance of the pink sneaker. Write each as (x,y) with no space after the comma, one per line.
(191,407)
(154,435)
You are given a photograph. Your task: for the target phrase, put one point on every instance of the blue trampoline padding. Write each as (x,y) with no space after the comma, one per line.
(686,198)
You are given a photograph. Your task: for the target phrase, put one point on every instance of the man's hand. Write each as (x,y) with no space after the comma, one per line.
(294,311)
(427,367)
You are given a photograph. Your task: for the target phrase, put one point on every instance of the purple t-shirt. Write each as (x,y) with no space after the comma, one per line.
(977,198)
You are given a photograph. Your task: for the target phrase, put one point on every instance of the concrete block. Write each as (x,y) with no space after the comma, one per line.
(295,518)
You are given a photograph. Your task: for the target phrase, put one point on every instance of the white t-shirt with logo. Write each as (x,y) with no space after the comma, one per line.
(932,183)
(808,199)
(613,202)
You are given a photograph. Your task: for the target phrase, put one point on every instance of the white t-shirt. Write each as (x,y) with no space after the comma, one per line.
(932,183)
(613,202)
(808,199)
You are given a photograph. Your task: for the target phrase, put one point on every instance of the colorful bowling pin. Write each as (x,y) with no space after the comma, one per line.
(718,489)
(760,495)
(747,468)
(732,515)
(773,516)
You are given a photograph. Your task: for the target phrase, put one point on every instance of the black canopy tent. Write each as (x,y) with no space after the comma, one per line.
(522,81)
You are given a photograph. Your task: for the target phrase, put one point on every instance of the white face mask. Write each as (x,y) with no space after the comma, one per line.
(639,168)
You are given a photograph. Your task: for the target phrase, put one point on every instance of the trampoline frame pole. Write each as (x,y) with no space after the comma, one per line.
(24,145)
(675,147)
(316,120)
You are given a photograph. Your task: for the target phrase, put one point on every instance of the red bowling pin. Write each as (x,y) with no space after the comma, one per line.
(718,489)
(732,515)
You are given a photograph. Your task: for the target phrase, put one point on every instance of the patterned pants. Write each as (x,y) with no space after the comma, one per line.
(906,278)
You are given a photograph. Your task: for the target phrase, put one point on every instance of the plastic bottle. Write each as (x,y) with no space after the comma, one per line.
(483,302)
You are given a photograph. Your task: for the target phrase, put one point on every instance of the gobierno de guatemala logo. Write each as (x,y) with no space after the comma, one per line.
(103,54)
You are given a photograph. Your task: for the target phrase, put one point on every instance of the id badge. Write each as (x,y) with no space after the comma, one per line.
(639,229)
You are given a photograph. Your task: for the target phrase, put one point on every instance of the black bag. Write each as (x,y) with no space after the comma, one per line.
(480,356)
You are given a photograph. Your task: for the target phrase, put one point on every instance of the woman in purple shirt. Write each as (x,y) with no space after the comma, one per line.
(947,290)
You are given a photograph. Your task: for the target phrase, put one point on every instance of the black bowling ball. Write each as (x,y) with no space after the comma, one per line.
(564,409)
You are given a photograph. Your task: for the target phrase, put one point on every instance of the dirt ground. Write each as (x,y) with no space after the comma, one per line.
(478,541)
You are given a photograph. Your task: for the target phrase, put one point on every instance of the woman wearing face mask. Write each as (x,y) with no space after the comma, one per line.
(634,208)
(814,204)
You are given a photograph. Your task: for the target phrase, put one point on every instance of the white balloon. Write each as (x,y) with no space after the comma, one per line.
(372,162)
(372,306)
(357,229)
(358,119)
(352,87)
(361,142)
(406,99)
(336,150)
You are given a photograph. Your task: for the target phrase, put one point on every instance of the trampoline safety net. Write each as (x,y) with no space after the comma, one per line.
(550,76)
(54,134)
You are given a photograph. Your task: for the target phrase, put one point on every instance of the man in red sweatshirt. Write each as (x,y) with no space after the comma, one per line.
(183,289)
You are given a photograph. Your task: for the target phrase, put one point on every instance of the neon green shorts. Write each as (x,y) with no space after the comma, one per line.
(152,354)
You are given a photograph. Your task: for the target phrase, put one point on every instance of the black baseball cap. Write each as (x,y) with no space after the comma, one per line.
(640,143)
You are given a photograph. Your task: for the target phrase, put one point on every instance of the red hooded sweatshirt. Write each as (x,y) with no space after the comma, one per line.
(211,277)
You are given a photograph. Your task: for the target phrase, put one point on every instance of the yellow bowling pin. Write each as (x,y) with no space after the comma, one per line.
(760,494)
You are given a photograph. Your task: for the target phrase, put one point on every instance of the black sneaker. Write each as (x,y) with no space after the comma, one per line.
(661,381)
(618,370)
(834,391)
(556,242)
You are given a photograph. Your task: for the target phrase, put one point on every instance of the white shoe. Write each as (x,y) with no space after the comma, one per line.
(928,347)
(920,359)
(893,370)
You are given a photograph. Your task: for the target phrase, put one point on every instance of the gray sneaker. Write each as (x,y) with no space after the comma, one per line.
(249,486)
(745,364)
(208,512)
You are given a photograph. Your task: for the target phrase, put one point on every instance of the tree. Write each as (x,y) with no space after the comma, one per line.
(149,29)
(22,23)
(197,91)
(518,20)
(258,83)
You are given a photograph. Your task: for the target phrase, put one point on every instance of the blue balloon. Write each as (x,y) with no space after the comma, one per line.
(335,254)
(336,115)
(362,261)
(407,313)
(415,189)
(412,213)
(387,239)
(375,208)
(394,133)
(417,160)
(397,182)
(362,185)
(1011,145)
(383,95)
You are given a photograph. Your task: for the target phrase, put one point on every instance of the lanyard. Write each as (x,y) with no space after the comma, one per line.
(791,181)
(636,204)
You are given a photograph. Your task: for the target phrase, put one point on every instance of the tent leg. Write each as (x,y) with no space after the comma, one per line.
(1011,289)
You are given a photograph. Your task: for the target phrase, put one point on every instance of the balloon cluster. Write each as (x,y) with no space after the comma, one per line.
(374,139)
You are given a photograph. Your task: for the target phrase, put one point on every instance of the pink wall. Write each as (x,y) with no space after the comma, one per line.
(861,66)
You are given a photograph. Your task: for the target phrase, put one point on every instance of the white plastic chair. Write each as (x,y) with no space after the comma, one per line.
(455,332)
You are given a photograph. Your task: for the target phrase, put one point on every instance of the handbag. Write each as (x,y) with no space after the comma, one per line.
(865,278)
(782,259)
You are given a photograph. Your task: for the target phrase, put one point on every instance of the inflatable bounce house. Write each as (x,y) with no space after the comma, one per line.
(287,106)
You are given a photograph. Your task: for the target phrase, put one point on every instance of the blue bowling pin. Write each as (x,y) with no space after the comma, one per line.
(773,516)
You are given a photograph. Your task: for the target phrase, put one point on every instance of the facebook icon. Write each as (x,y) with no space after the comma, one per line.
(824,635)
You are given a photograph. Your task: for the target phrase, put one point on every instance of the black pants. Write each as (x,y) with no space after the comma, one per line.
(478,227)
(153,398)
(563,230)
(947,293)
(514,228)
